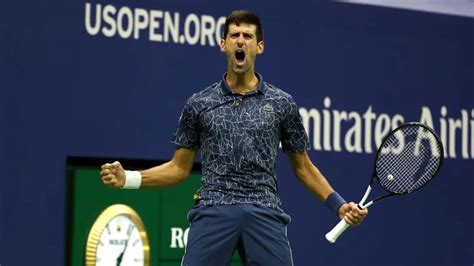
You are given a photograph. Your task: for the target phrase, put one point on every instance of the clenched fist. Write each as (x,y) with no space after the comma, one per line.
(352,214)
(113,175)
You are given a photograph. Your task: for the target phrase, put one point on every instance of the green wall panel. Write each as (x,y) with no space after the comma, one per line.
(163,211)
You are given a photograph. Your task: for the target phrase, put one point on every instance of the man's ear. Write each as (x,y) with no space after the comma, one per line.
(260,47)
(222,45)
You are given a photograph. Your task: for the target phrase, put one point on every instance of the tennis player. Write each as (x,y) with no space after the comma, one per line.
(238,123)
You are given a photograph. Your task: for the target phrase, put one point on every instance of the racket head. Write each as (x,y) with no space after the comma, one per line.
(408,158)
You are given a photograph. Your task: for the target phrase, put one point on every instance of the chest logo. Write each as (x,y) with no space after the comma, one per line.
(268,107)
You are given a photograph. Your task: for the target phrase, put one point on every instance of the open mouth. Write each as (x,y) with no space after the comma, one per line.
(239,56)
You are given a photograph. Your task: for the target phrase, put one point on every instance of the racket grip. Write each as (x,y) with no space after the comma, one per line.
(332,235)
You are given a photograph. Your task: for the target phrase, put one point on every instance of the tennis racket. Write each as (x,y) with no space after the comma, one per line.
(407,160)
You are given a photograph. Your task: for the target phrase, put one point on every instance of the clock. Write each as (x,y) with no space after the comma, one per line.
(118,237)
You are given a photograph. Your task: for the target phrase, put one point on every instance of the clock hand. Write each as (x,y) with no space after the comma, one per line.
(120,257)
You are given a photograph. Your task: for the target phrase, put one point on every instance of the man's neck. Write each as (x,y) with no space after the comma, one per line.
(242,83)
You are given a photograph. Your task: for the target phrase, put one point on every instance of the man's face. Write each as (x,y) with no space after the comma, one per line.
(241,47)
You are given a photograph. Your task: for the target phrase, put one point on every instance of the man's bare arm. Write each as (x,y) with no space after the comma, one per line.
(315,182)
(165,175)
(308,174)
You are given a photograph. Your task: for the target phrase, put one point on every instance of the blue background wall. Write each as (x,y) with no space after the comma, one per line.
(65,92)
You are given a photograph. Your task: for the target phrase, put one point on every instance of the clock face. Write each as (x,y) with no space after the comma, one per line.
(118,237)
(120,243)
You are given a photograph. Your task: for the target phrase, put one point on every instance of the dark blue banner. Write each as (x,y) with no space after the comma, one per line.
(109,79)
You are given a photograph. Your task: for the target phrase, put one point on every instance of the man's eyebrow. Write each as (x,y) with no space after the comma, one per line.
(240,31)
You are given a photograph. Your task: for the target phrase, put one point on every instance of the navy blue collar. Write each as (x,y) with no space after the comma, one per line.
(226,90)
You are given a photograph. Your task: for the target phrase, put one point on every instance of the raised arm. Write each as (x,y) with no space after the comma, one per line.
(165,175)
(308,174)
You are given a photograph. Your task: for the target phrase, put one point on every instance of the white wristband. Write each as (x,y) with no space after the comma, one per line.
(133,180)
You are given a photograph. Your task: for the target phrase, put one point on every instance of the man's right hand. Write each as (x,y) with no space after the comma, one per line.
(113,174)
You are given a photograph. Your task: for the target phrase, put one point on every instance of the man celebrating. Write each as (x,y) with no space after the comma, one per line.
(238,123)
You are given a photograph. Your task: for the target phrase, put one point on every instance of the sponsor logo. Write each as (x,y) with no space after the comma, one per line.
(268,107)
(153,25)
(362,132)
(179,237)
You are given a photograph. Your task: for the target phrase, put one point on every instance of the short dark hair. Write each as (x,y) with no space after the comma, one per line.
(243,16)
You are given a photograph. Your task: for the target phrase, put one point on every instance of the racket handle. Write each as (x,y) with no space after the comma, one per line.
(332,235)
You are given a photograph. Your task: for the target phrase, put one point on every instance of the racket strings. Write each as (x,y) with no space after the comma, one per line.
(408,159)
(402,179)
